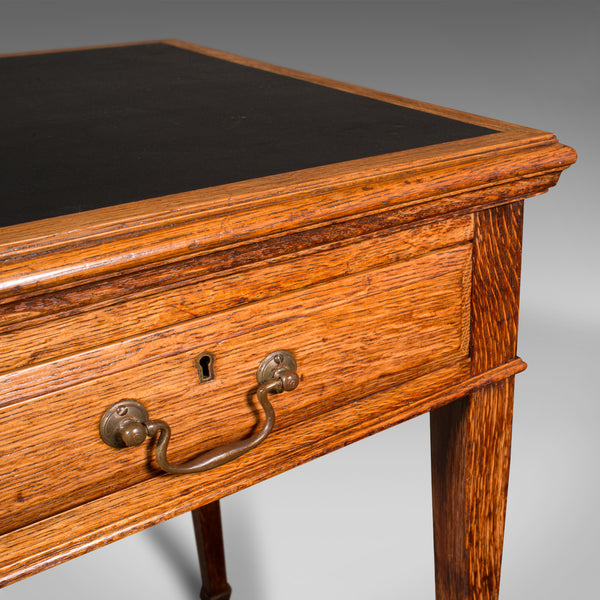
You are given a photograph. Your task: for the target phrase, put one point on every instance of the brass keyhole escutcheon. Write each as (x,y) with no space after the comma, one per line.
(205,365)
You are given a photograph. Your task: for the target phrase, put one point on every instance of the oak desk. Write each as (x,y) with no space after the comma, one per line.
(266,264)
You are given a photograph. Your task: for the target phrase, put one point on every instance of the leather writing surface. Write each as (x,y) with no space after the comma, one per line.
(93,128)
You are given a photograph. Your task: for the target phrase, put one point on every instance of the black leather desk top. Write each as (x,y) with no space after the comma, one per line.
(92,128)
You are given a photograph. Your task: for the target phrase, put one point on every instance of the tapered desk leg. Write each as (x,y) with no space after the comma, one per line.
(470,456)
(211,552)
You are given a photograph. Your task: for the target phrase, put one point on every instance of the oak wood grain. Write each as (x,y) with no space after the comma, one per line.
(364,269)
(470,457)
(69,534)
(31,268)
(496,285)
(130,217)
(141,282)
(470,439)
(78,320)
(211,552)
(204,332)
(350,336)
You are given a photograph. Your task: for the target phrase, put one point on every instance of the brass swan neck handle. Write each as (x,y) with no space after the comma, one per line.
(127,424)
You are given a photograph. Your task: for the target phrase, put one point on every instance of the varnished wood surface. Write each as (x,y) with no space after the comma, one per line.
(30,267)
(211,552)
(36,305)
(351,337)
(140,233)
(132,217)
(197,334)
(71,533)
(470,457)
(62,324)
(470,439)
(496,285)
(394,279)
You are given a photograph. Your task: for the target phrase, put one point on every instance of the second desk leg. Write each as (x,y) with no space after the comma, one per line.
(211,552)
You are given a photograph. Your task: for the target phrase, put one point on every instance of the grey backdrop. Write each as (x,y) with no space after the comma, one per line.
(357,524)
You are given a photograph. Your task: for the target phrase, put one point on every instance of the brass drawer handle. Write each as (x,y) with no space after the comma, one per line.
(127,424)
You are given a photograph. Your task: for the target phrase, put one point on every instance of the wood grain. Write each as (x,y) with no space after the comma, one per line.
(496,285)
(470,457)
(364,269)
(195,204)
(78,320)
(69,534)
(214,330)
(241,218)
(470,439)
(351,337)
(211,552)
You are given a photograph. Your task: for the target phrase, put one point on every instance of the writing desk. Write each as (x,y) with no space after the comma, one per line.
(213,270)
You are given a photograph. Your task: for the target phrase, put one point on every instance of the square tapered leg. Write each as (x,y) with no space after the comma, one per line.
(470,454)
(211,552)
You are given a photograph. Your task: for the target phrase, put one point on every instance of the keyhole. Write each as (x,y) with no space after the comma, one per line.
(205,365)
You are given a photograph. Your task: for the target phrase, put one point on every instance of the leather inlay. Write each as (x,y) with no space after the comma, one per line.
(93,128)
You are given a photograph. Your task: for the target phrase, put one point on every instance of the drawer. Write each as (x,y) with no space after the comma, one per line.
(352,337)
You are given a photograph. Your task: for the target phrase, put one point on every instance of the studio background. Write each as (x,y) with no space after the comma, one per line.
(357,523)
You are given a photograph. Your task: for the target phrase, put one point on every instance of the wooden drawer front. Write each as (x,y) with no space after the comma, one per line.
(351,337)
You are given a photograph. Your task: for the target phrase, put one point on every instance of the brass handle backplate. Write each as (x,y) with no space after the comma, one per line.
(127,423)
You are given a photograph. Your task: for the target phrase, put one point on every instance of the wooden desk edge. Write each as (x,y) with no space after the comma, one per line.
(63,251)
